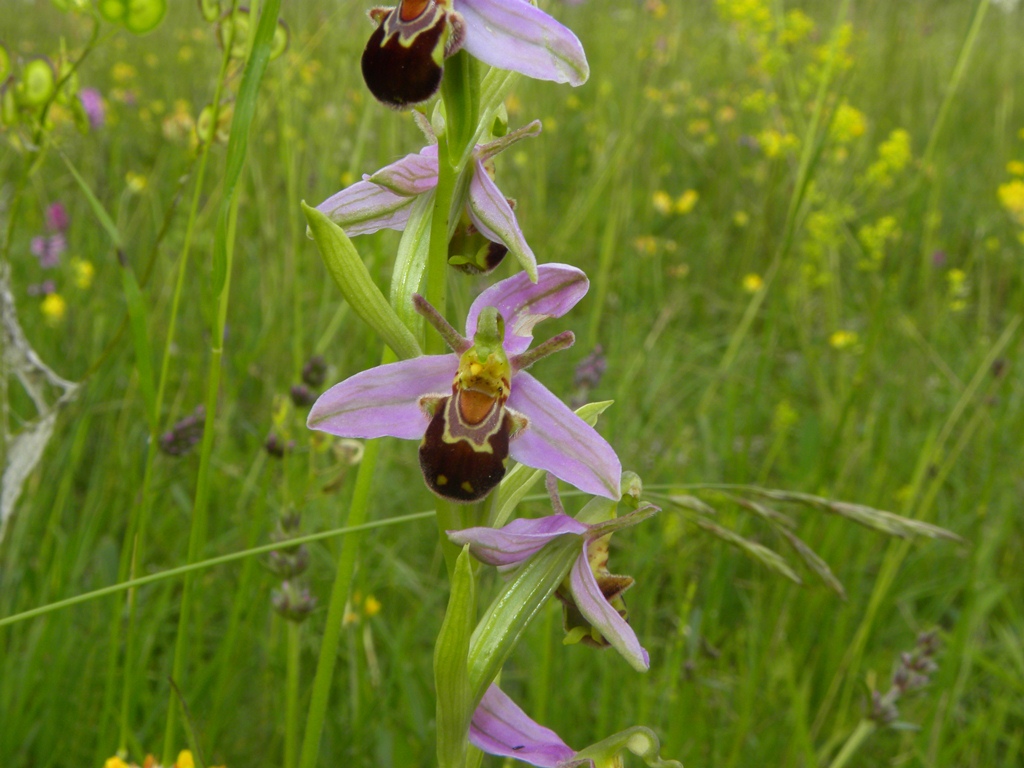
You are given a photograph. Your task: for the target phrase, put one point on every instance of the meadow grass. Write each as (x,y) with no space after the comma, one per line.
(780,304)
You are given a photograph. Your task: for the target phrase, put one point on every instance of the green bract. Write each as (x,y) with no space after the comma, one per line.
(350,273)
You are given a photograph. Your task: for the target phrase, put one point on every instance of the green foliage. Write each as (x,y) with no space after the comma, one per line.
(823,308)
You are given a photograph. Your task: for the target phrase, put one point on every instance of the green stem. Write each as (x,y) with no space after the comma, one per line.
(860,734)
(203,565)
(291,696)
(136,534)
(197,532)
(954,83)
(440,221)
(336,609)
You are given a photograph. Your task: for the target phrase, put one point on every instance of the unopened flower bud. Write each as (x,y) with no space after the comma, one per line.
(184,435)
(302,396)
(314,371)
(293,602)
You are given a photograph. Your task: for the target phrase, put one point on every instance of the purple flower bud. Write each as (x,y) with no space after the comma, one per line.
(57,218)
(185,434)
(314,371)
(92,103)
(302,395)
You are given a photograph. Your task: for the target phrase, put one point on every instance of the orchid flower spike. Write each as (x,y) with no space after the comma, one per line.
(404,59)
(384,200)
(500,727)
(474,408)
(592,596)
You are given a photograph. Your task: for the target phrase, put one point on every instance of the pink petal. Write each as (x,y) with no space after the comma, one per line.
(493,216)
(500,727)
(514,35)
(384,401)
(412,175)
(366,207)
(518,540)
(603,617)
(524,303)
(558,440)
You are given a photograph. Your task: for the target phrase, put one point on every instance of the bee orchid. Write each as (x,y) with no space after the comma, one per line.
(404,59)
(478,406)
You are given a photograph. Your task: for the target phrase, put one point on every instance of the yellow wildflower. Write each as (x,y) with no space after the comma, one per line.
(115,762)
(776,143)
(798,25)
(646,244)
(875,237)
(371,606)
(662,202)
(842,339)
(185,760)
(698,126)
(54,308)
(752,283)
(1015,168)
(894,154)
(741,218)
(1011,197)
(679,270)
(136,182)
(785,416)
(957,289)
(686,201)
(83,271)
(848,124)
(122,72)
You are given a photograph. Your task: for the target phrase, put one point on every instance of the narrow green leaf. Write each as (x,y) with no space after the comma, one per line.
(140,336)
(451,675)
(97,207)
(357,286)
(411,263)
(245,109)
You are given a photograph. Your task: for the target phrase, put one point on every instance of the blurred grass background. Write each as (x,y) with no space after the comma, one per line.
(881,366)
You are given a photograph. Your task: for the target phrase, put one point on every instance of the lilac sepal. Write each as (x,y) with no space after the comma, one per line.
(523,303)
(603,617)
(384,401)
(366,207)
(500,727)
(493,216)
(514,35)
(412,175)
(518,540)
(558,440)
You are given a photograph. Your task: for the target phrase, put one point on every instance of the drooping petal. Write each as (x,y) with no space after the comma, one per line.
(500,727)
(517,540)
(603,617)
(515,35)
(493,216)
(523,303)
(558,440)
(412,175)
(384,401)
(366,207)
